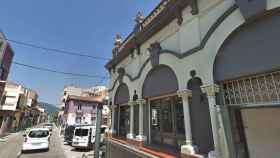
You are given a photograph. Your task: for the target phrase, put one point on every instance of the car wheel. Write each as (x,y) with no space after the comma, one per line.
(22,151)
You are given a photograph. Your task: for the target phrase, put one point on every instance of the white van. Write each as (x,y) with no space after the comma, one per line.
(84,136)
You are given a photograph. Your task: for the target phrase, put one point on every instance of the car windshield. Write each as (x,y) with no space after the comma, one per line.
(81,132)
(38,134)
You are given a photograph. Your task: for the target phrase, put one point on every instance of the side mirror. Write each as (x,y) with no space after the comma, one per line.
(24,135)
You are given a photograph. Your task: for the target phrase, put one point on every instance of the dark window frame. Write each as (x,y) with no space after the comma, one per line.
(174,134)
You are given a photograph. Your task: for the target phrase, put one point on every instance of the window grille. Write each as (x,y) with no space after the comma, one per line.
(262,88)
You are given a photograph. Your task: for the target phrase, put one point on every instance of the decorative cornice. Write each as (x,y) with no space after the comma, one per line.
(132,103)
(184,93)
(210,90)
(179,14)
(161,16)
(121,72)
(189,52)
(141,101)
(113,106)
(154,51)
(194,6)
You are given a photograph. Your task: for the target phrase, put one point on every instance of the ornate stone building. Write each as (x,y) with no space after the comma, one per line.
(198,78)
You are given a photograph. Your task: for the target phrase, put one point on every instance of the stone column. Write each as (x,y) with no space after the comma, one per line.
(211,91)
(113,129)
(187,149)
(141,137)
(130,135)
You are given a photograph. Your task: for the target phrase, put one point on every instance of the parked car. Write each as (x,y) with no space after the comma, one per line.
(49,126)
(84,136)
(35,139)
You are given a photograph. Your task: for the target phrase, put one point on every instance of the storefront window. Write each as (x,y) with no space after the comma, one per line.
(155,113)
(155,121)
(167,122)
(167,115)
(124,121)
(179,116)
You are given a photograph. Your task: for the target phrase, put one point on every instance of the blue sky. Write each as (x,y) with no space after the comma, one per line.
(87,26)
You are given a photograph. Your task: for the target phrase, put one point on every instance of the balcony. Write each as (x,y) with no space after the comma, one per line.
(79,112)
(8,106)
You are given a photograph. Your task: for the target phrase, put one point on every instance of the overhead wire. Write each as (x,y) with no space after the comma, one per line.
(58,72)
(55,50)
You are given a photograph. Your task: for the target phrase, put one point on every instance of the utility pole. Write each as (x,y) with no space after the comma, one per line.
(98,130)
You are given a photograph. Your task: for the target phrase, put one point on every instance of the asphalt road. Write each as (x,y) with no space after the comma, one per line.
(11,148)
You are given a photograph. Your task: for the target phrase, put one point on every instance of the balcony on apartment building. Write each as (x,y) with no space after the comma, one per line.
(79,110)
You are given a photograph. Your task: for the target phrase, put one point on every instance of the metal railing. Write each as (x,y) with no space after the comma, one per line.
(262,88)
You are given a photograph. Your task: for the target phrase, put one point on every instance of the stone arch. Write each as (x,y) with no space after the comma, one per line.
(160,80)
(200,116)
(249,49)
(122,94)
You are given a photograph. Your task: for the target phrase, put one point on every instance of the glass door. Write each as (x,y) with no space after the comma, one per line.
(167,117)
(165,131)
(156,122)
(124,121)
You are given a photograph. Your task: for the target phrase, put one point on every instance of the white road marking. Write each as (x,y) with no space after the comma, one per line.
(3,140)
(18,154)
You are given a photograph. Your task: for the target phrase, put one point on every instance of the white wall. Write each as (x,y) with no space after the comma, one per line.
(180,39)
(12,97)
(262,131)
(71,119)
(85,119)
(183,38)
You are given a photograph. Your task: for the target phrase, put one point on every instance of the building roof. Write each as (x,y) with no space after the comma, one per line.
(80,98)
(162,15)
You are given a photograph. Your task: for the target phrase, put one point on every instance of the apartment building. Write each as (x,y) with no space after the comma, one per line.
(79,105)
(18,107)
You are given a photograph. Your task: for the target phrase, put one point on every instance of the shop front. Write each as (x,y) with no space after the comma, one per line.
(202,82)
(166,127)
(122,112)
(247,70)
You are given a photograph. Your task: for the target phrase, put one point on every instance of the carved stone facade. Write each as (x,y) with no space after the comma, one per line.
(154,50)
(209,37)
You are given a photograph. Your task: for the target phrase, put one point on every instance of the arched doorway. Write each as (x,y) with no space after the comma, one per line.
(248,71)
(122,113)
(200,116)
(166,109)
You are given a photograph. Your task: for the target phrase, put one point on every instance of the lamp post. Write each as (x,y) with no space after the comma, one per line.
(98,130)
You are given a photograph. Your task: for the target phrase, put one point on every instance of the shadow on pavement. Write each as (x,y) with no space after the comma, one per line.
(81,150)
(35,151)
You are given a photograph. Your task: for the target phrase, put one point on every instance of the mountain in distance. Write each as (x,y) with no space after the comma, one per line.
(49,108)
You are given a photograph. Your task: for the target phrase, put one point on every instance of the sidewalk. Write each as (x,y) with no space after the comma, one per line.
(7,136)
(71,152)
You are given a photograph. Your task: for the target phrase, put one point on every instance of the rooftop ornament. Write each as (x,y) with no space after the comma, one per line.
(139,20)
(117,44)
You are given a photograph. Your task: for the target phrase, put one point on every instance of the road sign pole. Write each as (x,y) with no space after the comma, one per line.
(98,130)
